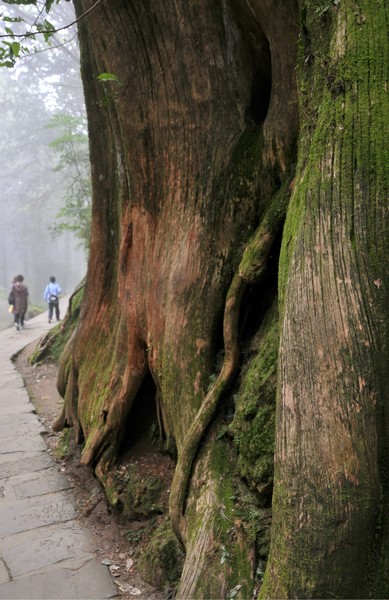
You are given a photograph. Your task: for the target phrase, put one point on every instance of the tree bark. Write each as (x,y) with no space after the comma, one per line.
(330,500)
(193,152)
(183,171)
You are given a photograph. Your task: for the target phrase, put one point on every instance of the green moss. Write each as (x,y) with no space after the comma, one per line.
(141,495)
(160,563)
(174,388)
(234,540)
(228,567)
(254,259)
(99,377)
(63,444)
(59,335)
(253,426)
(341,192)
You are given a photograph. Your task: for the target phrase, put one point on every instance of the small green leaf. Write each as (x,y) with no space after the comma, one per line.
(11,19)
(7,64)
(19,1)
(15,48)
(107,77)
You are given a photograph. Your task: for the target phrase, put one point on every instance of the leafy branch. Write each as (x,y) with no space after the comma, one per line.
(73,159)
(11,49)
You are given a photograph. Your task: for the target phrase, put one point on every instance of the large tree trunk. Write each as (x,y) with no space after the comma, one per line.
(190,152)
(193,147)
(330,526)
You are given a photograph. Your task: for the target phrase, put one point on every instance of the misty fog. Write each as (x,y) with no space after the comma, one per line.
(42,85)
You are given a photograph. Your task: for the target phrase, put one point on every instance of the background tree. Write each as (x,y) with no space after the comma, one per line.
(73,160)
(41,84)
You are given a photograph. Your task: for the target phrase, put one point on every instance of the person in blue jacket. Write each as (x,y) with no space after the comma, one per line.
(51,295)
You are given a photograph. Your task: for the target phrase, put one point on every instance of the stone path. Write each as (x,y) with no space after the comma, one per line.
(44,551)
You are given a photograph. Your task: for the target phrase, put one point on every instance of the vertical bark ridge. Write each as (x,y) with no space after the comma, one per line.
(328,485)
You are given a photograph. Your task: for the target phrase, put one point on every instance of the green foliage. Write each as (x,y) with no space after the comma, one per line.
(107,77)
(73,159)
(63,444)
(46,29)
(10,48)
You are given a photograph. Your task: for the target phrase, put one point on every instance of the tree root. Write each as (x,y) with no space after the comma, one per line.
(44,345)
(251,268)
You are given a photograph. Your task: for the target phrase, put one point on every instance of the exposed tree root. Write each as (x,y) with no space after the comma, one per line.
(103,439)
(206,410)
(43,348)
(68,416)
(251,268)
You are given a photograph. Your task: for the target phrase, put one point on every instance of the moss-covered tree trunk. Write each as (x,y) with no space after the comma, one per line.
(330,506)
(193,149)
(191,145)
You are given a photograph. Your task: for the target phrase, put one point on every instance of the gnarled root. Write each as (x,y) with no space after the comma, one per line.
(250,270)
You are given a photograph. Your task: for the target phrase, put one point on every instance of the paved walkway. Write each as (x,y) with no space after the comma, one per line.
(44,551)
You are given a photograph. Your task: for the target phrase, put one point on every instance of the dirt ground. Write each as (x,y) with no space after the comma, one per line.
(108,527)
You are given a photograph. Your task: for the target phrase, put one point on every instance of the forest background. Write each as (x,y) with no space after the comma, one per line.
(44,180)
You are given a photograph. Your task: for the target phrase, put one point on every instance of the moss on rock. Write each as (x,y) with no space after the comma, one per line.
(160,563)
(141,496)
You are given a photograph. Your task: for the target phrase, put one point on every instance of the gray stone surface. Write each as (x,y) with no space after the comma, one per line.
(75,580)
(23,443)
(45,553)
(23,462)
(34,550)
(48,481)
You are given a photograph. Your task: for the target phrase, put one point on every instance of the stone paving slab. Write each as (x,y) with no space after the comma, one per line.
(20,425)
(7,371)
(9,396)
(29,485)
(32,551)
(22,444)
(16,409)
(4,577)
(32,513)
(70,581)
(14,401)
(23,462)
(45,553)
(11,391)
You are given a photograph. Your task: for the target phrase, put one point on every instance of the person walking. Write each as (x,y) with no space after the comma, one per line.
(51,295)
(18,297)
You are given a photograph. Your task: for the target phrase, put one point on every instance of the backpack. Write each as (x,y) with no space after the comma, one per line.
(53,299)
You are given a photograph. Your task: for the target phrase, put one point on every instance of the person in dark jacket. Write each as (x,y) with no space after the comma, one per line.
(19,298)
